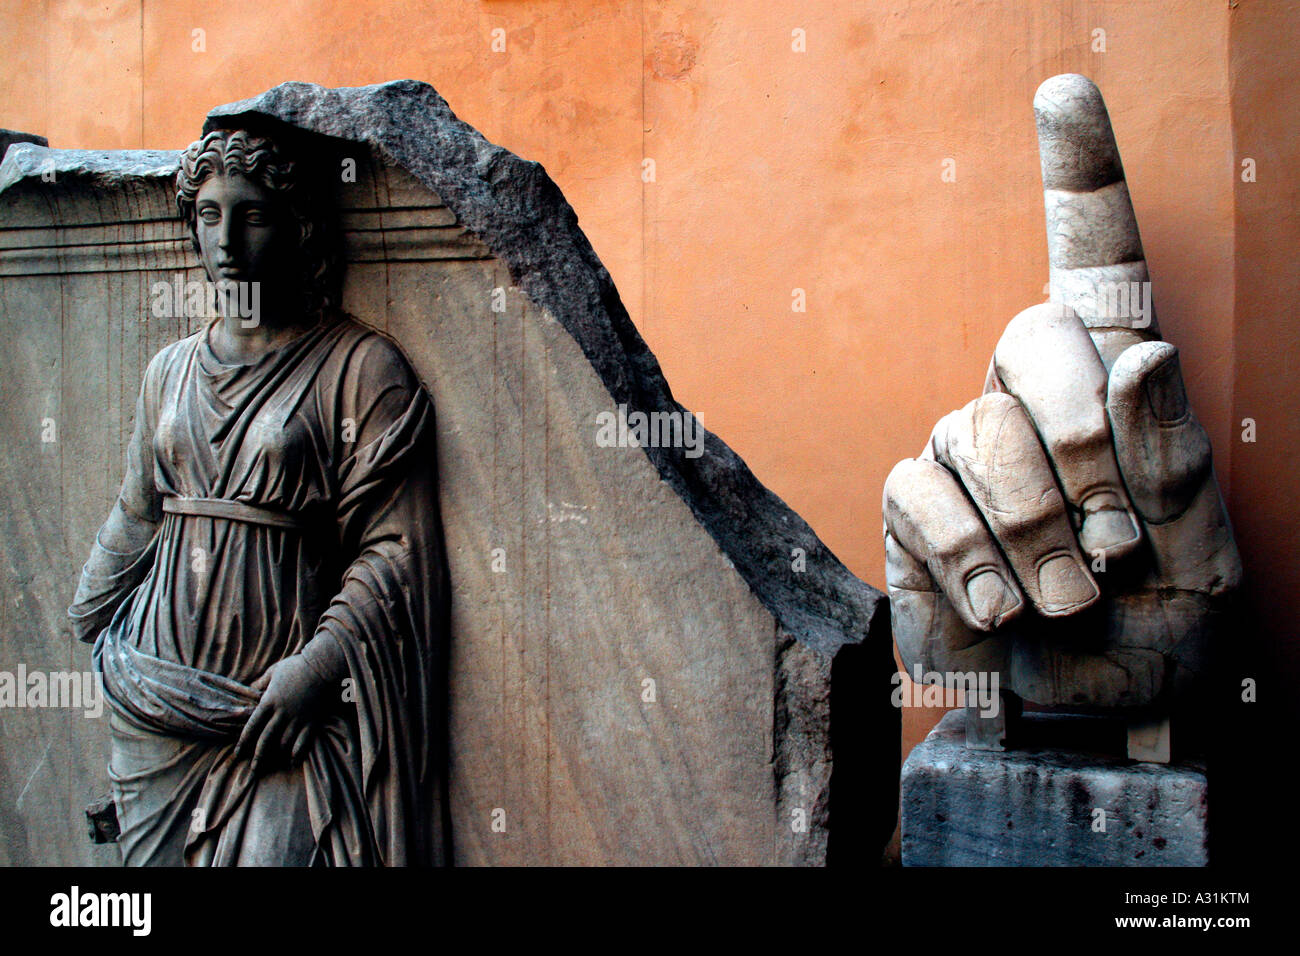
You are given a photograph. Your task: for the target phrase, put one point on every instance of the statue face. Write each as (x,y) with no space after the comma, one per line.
(244,232)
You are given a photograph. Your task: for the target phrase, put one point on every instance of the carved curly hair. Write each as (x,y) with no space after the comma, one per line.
(260,160)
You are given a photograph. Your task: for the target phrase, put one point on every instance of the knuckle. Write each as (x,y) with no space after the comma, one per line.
(1031,522)
(899,483)
(966,544)
(1084,435)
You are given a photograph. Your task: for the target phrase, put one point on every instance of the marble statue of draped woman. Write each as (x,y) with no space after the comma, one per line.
(268,597)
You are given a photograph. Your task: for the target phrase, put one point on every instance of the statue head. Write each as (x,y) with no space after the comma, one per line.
(254,217)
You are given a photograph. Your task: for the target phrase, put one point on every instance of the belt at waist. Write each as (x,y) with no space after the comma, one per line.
(232,510)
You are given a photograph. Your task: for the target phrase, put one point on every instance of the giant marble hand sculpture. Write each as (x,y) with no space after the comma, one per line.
(1065,529)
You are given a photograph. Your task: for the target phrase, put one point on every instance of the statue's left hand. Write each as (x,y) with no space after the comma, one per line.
(279,729)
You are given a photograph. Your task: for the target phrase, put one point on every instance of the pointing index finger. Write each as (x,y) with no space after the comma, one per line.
(1094,248)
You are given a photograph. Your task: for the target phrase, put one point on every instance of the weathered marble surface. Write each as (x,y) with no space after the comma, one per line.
(1043,806)
(622,565)
(1064,531)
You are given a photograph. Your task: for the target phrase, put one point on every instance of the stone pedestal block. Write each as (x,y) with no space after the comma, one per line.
(1047,806)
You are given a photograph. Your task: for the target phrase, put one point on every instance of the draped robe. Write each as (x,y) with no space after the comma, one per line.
(282,507)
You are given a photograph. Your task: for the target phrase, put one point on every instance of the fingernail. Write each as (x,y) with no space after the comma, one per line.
(1108,525)
(1165,392)
(1064,585)
(991,598)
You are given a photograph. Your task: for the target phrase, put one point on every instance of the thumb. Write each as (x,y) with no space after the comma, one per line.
(1165,457)
(1162,449)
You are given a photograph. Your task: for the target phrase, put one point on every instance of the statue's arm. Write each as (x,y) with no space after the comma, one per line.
(381,628)
(388,513)
(123,551)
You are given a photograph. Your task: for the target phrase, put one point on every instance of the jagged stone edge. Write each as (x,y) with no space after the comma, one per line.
(514,207)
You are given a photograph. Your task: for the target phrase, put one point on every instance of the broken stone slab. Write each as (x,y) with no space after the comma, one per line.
(10,136)
(1049,806)
(654,660)
(35,162)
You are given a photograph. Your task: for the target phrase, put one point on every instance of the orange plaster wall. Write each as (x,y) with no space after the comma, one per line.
(775,170)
